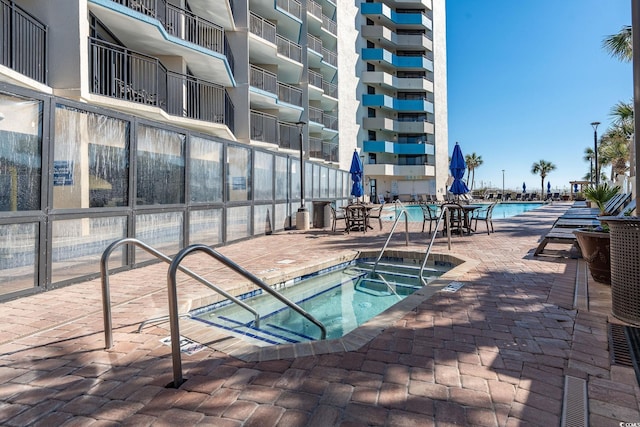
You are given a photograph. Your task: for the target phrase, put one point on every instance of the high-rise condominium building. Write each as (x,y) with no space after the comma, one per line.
(183,121)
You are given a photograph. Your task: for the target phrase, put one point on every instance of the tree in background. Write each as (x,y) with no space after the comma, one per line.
(620,45)
(543,168)
(473,161)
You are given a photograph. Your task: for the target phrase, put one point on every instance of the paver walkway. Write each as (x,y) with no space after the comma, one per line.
(494,353)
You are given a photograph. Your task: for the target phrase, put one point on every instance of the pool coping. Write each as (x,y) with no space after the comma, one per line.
(219,340)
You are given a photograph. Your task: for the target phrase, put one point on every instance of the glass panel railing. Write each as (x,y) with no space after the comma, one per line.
(289,49)
(289,94)
(262,28)
(263,80)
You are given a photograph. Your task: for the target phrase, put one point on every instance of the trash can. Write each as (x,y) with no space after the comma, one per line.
(321,214)
(625,267)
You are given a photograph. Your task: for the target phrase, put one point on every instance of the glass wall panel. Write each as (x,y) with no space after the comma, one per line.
(263,173)
(18,257)
(238,225)
(90,160)
(332,183)
(20,153)
(282,184)
(163,231)
(324,182)
(205,173)
(295,179)
(281,217)
(205,226)
(160,166)
(316,181)
(309,182)
(263,219)
(346,184)
(78,244)
(239,173)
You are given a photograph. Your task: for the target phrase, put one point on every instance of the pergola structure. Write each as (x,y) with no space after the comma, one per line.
(575,184)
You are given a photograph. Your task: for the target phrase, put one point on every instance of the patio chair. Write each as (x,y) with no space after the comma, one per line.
(518,197)
(484,214)
(456,218)
(429,215)
(377,213)
(381,199)
(337,215)
(357,218)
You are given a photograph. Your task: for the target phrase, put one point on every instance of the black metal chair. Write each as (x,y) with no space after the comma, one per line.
(337,215)
(377,213)
(429,215)
(484,214)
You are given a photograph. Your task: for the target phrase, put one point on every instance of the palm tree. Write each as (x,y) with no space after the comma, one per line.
(622,114)
(589,156)
(543,168)
(614,151)
(473,161)
(620,44)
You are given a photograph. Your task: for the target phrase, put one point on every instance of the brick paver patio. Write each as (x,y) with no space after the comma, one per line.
(494,353)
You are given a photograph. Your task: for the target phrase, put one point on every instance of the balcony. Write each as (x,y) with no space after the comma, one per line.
(390,18)
(330,152)
(386,58)
(330,89)
(397,83)
(397,148)
(329,25)
(264,127)
(289,136)
(397,126)
(330,122)
(23,40)
(315,147)
(413,171)
(387,38)
(402,105)
(126,75)
(330,57)
(289,94)
(314,9)
(289,49)
(292,7)
(262,28)
(263,80)
(314,43)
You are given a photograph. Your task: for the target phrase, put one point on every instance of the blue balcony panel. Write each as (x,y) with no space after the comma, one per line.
(377,101)
(377,54)
(412,105)
(381,9)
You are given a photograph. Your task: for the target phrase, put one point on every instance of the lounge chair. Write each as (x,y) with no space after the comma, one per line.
(518,197)
(381,199)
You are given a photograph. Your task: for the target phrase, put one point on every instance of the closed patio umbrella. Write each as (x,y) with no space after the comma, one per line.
(524,187)
(357,190)
(458,167)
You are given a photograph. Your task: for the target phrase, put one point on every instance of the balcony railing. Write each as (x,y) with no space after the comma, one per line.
(181,23)
(289,94)
(315,147)
(127,75)
(330,152)
(315,79)
(264,80)
(262,28)
(315,114)
(330,89)
(264,127)
(330,122)
(330,57)
(314,8)
(329,24)
(289,136)
(291,6)
(314,43)
(289,49)
(23,42)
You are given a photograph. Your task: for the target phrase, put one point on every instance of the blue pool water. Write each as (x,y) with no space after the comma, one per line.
(502,210)
(342,299)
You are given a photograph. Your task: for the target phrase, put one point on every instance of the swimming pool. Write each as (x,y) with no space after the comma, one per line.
(342,297)
(501,210)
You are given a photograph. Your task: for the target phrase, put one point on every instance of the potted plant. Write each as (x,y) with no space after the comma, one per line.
(595,242)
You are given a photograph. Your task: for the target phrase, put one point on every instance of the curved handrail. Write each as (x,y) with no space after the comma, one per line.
(444,213)
(106,294)
(403,210)
(173,301)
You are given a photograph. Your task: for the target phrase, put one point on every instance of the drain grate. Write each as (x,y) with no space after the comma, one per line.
(574,407)
(620,353)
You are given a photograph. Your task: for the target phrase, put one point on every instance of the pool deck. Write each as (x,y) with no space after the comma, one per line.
(521,337)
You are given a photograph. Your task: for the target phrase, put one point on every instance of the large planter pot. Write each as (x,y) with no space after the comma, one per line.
(625,267)
(595,251)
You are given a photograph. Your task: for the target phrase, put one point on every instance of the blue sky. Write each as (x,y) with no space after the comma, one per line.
(525,80)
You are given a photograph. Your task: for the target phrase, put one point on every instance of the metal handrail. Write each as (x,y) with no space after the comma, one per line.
(173,301)
(444,213)
(403,210)
(106,298)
